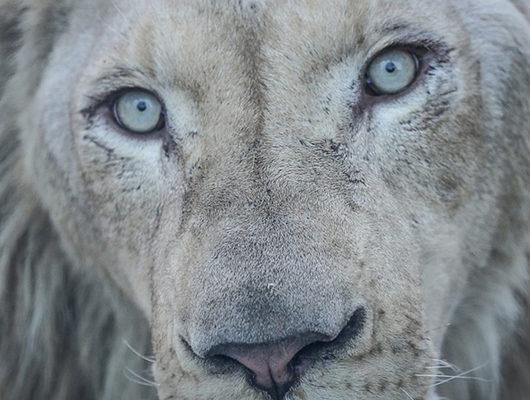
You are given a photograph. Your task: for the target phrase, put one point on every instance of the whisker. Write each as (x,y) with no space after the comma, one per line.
(137,377)
(439,328)
(148,359)
(446,364)
(133,380)
(407,394)
(438,367)
(463,375)
(475,378)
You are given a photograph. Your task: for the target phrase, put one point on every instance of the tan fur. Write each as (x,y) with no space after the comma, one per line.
(278,200)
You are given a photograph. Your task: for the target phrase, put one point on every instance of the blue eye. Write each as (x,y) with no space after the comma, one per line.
(392,72)
(138,111)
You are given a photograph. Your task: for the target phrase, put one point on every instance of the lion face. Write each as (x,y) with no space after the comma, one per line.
(295,224)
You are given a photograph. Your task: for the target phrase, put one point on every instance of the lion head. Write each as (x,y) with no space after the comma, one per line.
(297,200)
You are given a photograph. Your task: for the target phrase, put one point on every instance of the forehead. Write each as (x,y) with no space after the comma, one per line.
(185,41)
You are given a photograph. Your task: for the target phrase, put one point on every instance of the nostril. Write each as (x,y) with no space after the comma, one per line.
(351,331)
(354,328)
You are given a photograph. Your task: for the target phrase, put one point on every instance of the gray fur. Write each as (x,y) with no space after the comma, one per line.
(64,334)
(274,180)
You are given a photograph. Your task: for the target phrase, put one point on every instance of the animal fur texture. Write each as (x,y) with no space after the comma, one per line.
(278,199)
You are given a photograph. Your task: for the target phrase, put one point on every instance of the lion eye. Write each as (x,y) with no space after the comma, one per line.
(392,72)
(138,111)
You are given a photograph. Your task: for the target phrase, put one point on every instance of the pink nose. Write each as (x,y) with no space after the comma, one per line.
(276,365)
(270,363)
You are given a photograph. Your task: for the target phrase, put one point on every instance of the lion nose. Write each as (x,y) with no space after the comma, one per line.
(274,367)
(270,364)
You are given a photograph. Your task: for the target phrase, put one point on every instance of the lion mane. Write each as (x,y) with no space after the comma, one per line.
(64,334)
(71,334)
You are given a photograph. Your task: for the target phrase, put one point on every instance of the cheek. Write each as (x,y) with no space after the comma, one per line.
(444,275)
(121,187)
(125,199)
(118,189)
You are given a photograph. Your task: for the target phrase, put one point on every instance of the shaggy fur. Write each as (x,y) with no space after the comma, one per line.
(64,334)
(114,248)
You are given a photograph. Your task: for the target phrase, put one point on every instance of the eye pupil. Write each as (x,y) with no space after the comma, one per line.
(391,67)
(141,106)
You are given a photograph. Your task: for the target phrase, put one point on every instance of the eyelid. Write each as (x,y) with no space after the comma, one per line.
(409,38)
(420,42)
(107,98)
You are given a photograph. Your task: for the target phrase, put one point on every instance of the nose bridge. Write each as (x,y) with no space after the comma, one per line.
(258,161)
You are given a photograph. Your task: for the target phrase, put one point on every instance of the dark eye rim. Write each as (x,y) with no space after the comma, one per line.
(112,103)
(419,54)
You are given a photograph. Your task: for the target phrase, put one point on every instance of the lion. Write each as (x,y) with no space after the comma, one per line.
(264,199)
